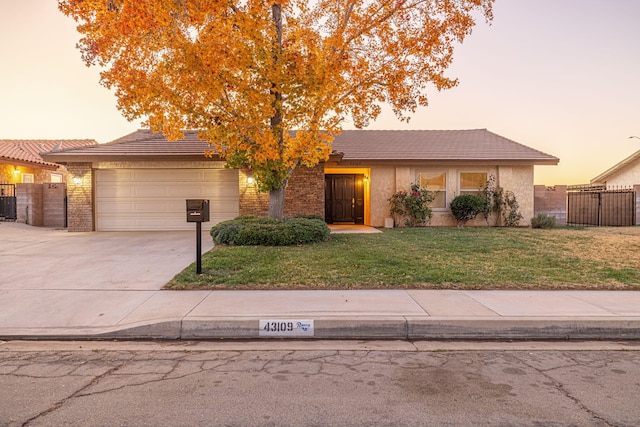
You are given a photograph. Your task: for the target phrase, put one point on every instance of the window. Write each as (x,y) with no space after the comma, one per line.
(27,178)
(472,182)
(56,177)
(437,183)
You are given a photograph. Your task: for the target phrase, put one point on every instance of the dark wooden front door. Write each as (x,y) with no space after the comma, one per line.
(344,199)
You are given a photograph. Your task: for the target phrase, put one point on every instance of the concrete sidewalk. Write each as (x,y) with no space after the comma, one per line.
(59,285)
(393,314)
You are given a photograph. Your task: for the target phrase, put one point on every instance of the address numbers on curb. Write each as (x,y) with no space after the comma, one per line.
(286,328)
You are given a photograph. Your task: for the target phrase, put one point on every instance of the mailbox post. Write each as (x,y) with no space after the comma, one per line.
(198,212)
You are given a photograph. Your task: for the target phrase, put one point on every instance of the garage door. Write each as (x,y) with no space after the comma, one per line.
(154,199)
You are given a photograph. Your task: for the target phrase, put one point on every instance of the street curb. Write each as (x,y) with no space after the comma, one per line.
(357,328)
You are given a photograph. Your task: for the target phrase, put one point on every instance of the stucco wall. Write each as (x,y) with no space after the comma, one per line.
(9,176)
(387,180)
(519,179)
(383,185)
(626,176)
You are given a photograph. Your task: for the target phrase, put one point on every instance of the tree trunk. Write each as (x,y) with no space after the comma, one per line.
(276,196)
(276,203)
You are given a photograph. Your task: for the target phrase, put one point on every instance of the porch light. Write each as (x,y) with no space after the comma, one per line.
(250,178)
(77,180)
(16,171)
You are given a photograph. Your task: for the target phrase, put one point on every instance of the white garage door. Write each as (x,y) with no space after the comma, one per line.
(154,199)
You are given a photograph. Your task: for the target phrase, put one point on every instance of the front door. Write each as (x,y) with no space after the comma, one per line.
(344,199)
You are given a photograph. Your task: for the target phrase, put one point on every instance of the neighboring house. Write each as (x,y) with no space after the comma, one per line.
(624,174)
(20,160)
(23,173)
(141,181)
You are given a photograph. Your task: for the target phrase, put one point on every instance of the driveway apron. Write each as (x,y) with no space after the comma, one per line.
(45,258)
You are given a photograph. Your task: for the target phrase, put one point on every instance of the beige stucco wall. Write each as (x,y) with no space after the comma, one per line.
(385,180)
(625,177)
(519,179)
(383,185)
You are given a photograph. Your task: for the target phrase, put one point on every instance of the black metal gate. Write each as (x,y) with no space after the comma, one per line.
(599,206)
(8,202)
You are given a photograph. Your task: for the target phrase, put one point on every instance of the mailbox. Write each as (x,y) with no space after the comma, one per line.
(197,210)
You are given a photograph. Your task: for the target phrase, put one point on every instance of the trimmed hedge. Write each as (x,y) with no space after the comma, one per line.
(466,207)
(261,231)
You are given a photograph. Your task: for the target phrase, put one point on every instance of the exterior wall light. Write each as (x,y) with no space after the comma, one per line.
(250,180)
(77,180)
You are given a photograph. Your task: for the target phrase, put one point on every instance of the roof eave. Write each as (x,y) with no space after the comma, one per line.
(602,178)
(86,158)
(28,164)
(455,162)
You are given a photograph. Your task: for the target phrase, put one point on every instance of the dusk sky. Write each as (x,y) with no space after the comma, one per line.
(560,76)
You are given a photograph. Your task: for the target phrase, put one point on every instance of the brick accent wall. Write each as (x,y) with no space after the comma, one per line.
(80,197)
(304,194)
(551,201)
(251,202)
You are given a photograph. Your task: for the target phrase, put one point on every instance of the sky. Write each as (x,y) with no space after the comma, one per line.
(560,76)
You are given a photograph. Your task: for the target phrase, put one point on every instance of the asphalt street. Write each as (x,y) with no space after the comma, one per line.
(319,383)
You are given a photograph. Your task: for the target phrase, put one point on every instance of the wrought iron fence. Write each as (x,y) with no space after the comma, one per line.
(601,206)
(8,202)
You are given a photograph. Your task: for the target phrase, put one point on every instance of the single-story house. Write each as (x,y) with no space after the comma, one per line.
(20,160)
(623,174)
(141,181)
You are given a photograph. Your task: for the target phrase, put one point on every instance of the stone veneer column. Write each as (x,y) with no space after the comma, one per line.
(80,197)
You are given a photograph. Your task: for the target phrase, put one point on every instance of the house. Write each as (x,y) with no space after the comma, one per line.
(20,160)
(623,174)
(23,173)
(141,181)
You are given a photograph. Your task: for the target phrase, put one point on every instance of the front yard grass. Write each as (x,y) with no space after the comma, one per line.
(431,258)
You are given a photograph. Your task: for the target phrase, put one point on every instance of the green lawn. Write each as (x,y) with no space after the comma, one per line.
(467,258)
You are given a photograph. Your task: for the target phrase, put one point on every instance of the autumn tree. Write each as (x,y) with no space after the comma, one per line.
(269,83)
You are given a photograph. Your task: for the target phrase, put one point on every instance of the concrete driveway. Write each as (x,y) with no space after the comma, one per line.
(36,258)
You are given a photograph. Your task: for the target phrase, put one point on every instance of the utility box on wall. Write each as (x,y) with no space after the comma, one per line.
(197,210)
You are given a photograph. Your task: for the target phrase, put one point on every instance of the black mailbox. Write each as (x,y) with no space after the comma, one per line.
(197,210)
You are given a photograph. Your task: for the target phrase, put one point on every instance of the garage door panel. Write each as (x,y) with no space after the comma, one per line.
(159,190)
(154,199)
(117,223)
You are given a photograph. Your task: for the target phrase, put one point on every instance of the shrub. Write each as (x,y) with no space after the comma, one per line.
(466,207)
(412,205)
(252,231)
(501,203)
(543,221)
(511,210)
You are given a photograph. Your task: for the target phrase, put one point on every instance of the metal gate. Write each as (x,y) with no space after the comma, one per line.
(599,206)
(8,202)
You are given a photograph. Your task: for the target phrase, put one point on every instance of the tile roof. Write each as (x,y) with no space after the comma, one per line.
(140,144)
(365,145)
(29,150)
(439,145)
